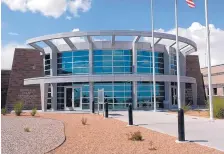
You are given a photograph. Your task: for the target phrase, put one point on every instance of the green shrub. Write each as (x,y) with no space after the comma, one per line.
(220,114)
(18,107)
(34,111)
(4,111)
(186,108)
(84,121)
(136,136)
(27,129)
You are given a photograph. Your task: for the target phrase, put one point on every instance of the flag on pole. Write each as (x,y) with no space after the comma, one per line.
(190,3)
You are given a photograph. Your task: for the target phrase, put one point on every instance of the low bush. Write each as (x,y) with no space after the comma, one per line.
(27,129)
(136,136)
(4,111)
(34,111)
(186,108)
(151,147)
(218,107)
(220,113)
(84,121)
(18,107)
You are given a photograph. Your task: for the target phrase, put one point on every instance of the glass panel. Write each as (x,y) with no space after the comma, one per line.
(77,97)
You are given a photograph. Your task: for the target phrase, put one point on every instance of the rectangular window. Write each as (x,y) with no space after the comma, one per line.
(214,91)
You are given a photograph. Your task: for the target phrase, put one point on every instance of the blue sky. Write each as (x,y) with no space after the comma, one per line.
(108,15)
(101,15)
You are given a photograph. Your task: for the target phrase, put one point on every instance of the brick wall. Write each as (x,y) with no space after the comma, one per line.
(193,70)
(5,74)
(27,63)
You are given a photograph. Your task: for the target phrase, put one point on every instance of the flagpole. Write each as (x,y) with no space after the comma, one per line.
(153,57)
(177,56)
(209,60)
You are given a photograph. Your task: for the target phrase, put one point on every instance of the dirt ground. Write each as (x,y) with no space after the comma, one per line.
(109,136)
(204,114)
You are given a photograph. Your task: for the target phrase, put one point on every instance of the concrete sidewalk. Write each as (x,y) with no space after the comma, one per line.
(198,130)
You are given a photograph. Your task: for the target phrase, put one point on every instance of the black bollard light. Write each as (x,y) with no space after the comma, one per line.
(181,131)
(130,115)
(93,107)
(106,110)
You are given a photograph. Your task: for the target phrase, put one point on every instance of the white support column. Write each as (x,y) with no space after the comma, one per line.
(134,71)
(90,58)
(53,96)
(134,95)
(91,95)
(44,92)
(53,56)
(134,58)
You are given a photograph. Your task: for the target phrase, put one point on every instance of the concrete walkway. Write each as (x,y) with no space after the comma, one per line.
(198,130)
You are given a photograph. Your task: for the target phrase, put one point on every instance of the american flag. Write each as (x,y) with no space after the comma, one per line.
(190,3)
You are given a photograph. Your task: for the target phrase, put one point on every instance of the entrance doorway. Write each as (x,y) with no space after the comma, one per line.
(73,98)
(174,96)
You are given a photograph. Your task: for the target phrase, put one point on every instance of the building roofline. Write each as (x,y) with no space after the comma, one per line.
(48,39)
(213,66)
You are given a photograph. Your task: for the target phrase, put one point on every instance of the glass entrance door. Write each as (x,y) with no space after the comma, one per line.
(174,96)
(73,98)
(77,99)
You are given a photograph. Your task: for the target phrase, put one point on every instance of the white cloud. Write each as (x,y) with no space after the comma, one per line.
(197,33)
(52,8)
(75,30)
(68,18)
(12,33)
(7,54)
(79,5)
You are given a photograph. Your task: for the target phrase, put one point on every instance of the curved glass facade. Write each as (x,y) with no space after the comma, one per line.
(144,62)
(173,64)
(112,62)
(47,65)
(76,62)
(145,93)
(117,94)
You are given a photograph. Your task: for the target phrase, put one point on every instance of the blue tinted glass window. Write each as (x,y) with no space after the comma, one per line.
(112,62)
(73,62)
(145,65)
(115,93)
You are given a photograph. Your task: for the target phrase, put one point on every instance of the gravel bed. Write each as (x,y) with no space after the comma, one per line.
(109,136)
(44,135)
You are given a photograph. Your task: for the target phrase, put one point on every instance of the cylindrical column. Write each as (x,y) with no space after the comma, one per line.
(134,94)
(181,131)
(178,61)
(130,115)
(209,61)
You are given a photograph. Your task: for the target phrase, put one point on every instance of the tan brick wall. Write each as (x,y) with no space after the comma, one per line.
(217,79)
(214,69)
(220,91)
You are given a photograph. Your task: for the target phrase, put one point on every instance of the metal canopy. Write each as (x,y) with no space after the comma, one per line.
(162,38)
